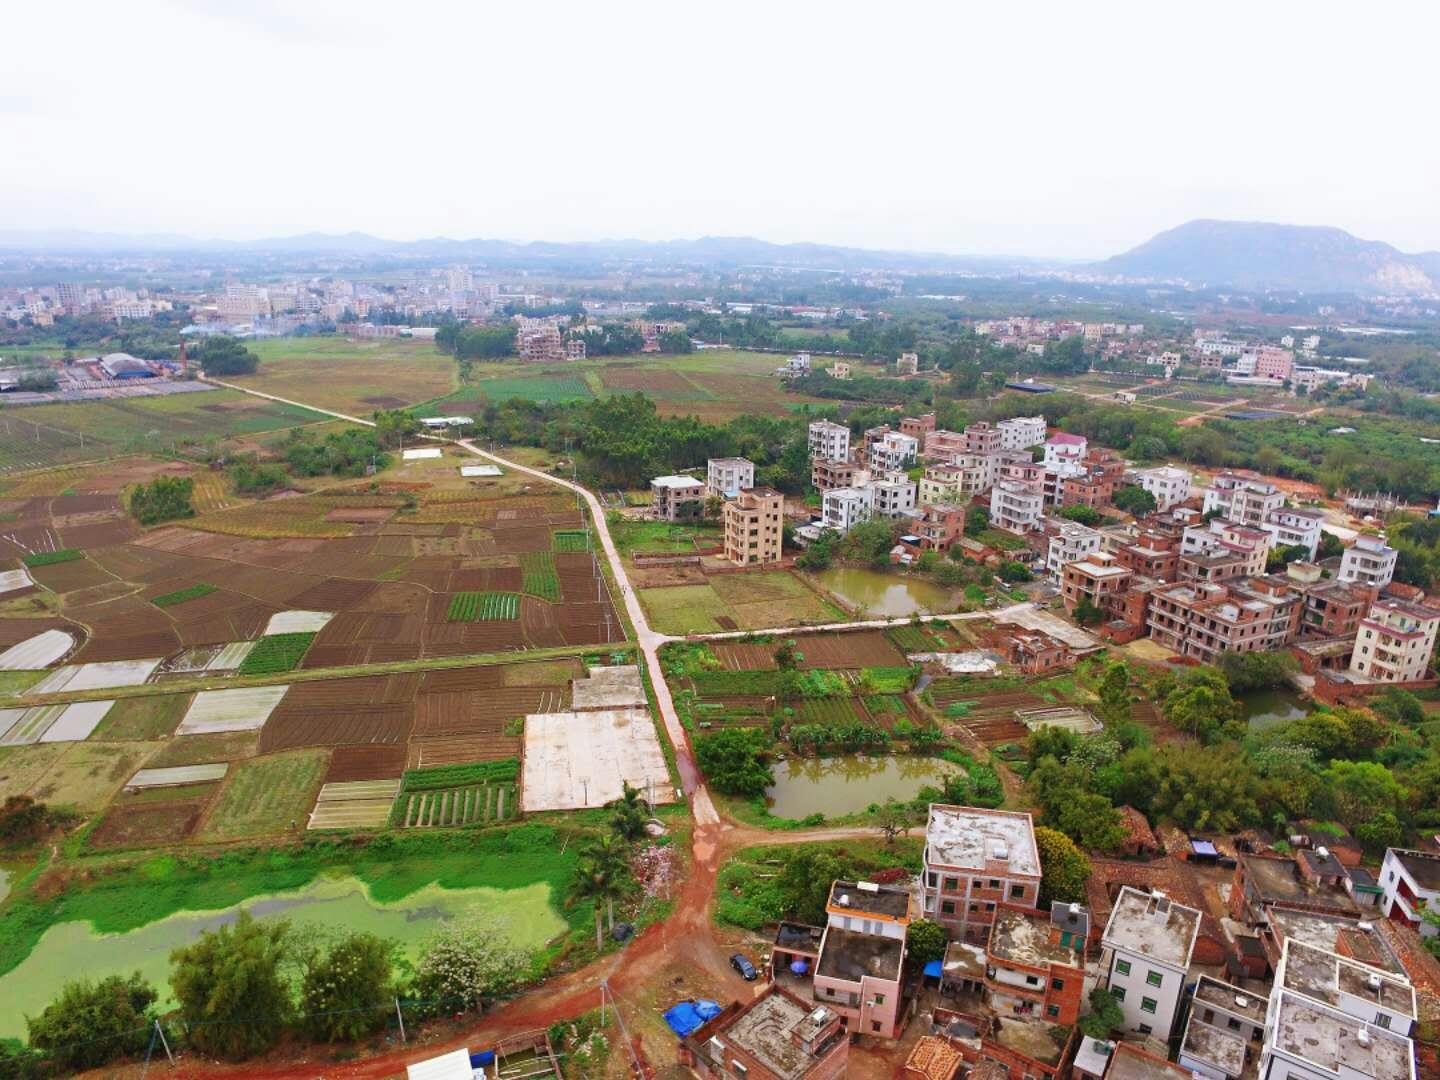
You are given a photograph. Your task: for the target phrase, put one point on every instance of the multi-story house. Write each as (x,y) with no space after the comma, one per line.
(893,452)
(1069,542)
(1411,883)
(1204,620)
(1331,1017)
(1395,641)
(908,364)
(829,441)
(919,427)
(727,477)
(1152,553)
(1333,609)
(942,445)
(862,956)
(1167,483)
(1224,1032)
(1368,561)
(1097,578)
(1146,950)
(1292,527)
(1017,506)
(839,370)
(1021,432)
(775,1036)
(844,508)
(539,341)
(1219,536)
(825,475)
(677,498)
(753,526)
(982,438)
(974,861)
(938,526)
(1063,448)
(893,496)
(1034,967)
(1245,500)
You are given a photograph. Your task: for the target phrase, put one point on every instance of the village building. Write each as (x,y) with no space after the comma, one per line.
(677,498)
(974,861)
(727,477)
(1147,947)
(1368,561)
(1395,642)
(775,1036)
(753,526)
(1411,883)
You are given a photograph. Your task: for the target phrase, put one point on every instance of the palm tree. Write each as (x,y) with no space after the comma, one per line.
(628,822)
(610,856)
(592,882)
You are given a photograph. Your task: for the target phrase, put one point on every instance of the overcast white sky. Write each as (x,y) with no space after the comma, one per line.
(1073,129)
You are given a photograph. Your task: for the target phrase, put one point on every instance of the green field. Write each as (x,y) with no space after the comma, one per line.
(276,653)
(265,795)
(38,436)
(754,600)
(571,540)
(50,558)
(137,718)
(179,596)
(353,377)
(484,607)
(541,388)
(538,569)
(472,794)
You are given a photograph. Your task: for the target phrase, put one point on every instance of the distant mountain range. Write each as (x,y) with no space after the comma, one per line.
(1257,254)
(1234,254)
(710,251)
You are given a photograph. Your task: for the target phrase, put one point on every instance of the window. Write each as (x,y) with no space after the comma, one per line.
(1032,980)
(994,883)
(1154,978)
(1145,1029)
(1382,1020)
(974,907)
(1017,892)
(931,879)
(1057,984)
(989,905)
(1233,1024)
(1148,1004)
(951,884)
(1119,992)
(874,1025)
(1065,938)
(1053,1011)
(879,999)
(947,907)
(1122,967)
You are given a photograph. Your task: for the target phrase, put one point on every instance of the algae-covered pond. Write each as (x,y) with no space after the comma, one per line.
(73,949)
(847,784)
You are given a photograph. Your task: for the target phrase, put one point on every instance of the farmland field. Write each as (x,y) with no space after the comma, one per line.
(458,795)
(276,653)
(353,377)
(264,795)
(87,775)
(753,600)
(539,575)
(140,718)
(120,426)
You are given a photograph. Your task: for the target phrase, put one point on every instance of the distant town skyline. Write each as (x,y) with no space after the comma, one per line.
(1047,132)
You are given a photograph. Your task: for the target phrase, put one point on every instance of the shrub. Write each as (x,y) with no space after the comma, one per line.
(90,1024)
(50,558)
(165,498)
(735,760)
(231,988)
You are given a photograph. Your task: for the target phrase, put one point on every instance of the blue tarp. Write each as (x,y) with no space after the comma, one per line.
(482,1059)
(799,967)
(932,969)
(1204,848)
(686,1016)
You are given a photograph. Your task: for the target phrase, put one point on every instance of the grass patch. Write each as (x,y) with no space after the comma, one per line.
(746,892)
(277,653)
(17,682)
(50,558)
(265,795)
(463,607)
(179,596)
(142,718)
(538,575)
(443,776)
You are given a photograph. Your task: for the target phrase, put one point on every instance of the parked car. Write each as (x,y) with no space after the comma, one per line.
(741,963)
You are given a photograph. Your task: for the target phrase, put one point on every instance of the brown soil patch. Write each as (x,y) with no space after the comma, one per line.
(739,656)
(335,594)
(865,648)
(99,535)
(373,762)
(147,824)
(460,749)
(367,724)
(360,515)
(384,401)
(69,576)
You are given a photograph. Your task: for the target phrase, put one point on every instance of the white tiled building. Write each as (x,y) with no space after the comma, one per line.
(894,496)
(1330,1016)
(727,477)
(1062,448)
(1021,432)
(829,440)
(1070,542)
(1369,561)
(1395,641)
(1146,954)
(893,452)
(1292,527)
(1242,499)
(846,507)
(1167,483)
(1411,880)
(1017,506)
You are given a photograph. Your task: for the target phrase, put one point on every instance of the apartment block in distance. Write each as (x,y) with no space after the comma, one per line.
(1017,506)
(677,498)
(976,860)
(1147,947)
(1021,432)
(1395,641)
(753,526)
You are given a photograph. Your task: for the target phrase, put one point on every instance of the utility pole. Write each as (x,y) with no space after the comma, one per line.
(401,1017)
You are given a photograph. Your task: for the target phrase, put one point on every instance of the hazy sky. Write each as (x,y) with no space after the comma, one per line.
(1071,129)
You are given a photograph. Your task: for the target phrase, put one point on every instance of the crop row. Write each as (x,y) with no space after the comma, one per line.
(276,653)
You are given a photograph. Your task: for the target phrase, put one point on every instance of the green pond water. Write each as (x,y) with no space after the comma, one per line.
(71,949)
(883,595)
(1266,708)
(847,784)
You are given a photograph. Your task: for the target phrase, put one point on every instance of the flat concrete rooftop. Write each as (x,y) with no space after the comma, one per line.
(1329,1039)
(850,956)
(1024,938)
(1152,926)
(970,838)
(1325,976)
